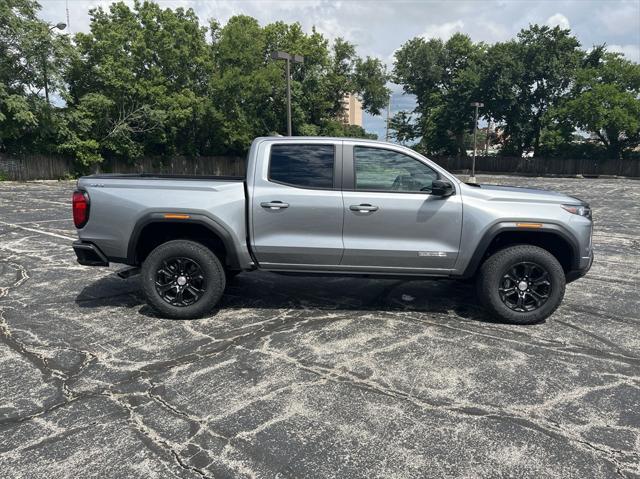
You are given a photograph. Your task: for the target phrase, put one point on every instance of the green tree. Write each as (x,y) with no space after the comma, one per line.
(605,101)
(252,86)
(152,81)
(402,127)
(139,85)
(30,53)
(445,78)
(523,79)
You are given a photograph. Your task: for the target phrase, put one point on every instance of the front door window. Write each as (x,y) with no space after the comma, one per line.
(377,169)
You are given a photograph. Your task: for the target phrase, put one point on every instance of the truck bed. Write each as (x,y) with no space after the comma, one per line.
(157,176)
(121,204)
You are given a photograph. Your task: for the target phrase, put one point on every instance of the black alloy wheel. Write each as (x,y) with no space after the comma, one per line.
(180,281)
(521,284)
(525,287)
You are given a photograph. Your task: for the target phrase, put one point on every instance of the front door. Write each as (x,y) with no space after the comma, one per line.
(297,208)
(392,221)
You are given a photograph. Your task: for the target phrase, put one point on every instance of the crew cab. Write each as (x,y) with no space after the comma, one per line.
(334,206)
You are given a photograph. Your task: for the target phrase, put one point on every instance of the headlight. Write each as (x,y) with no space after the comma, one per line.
(580,210)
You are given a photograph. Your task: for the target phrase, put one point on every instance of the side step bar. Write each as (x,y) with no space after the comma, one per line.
(128,272)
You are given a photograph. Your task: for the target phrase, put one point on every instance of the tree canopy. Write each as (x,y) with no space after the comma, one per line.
(147,80)
(539,88)
(152,81)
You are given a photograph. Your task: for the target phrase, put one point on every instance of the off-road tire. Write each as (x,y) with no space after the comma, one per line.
(494,269)
(213,274)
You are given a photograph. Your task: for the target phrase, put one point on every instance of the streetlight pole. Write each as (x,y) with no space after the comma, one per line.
(386,136)
(289,129)
(289,58)
(44,73)
(472,178)
(45,54)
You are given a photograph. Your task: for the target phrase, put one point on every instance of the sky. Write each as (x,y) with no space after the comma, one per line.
(378,28)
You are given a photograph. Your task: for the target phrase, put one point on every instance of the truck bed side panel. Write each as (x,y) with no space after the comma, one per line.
(119,203)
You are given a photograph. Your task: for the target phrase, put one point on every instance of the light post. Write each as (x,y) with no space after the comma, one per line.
(45,54)
(289,58)
(472,178)
(386,136)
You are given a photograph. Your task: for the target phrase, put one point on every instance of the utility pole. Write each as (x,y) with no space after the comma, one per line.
(45,59)
(289,58)
(386,136)
(472,178)
(66,5)
(44,73)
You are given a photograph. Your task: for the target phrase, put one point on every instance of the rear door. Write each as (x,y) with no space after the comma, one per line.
(297,208)
(392,221)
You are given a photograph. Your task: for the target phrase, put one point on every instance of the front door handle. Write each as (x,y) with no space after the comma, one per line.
(364,208)
(274,205)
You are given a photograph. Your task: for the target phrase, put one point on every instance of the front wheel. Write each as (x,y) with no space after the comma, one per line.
(521,284)
(182,279)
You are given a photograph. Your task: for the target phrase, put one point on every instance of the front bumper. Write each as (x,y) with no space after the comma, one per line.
(579,273)
(89,254)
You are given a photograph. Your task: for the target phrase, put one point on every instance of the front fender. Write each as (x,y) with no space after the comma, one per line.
(469,269)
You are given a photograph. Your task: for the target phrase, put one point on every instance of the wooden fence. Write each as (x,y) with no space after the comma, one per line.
(35,167)
(202,165)
(544,166)
(40,167)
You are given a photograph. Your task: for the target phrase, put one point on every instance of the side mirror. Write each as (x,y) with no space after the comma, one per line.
(442,188)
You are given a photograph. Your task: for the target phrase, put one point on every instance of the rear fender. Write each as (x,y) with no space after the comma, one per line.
(233,254)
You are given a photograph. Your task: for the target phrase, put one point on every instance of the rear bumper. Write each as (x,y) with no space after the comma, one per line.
(89,254)
(579,273)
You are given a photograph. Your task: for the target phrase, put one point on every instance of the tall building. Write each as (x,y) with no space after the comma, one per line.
(352,110)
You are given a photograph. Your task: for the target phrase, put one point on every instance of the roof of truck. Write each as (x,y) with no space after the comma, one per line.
(330,138)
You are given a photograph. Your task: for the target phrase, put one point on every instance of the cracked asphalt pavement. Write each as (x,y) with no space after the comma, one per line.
(313,377)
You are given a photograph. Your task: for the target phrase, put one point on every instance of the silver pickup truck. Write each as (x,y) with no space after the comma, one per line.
(334,206)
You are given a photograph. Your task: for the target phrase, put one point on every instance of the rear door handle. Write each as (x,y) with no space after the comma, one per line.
(274,205)
(364,208)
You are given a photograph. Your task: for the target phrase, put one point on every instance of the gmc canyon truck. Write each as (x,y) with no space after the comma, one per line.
(334,206)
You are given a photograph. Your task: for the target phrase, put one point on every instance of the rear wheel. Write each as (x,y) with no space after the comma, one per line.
(521,284)
(182,279)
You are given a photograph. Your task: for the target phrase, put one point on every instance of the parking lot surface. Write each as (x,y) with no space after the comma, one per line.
(313,377)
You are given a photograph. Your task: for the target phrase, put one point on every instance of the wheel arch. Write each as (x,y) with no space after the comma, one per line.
(551,237)
(155,229)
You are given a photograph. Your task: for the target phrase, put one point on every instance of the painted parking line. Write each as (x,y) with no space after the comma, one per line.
(34,230)
(37,222)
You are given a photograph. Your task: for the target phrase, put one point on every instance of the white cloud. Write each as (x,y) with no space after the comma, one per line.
(631,52)
(495,32)
(621,20)
(379,27)
(558,20)
(332,28)
(444,31)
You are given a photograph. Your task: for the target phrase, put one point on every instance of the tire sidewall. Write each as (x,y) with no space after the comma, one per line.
(497,265)
(213,273)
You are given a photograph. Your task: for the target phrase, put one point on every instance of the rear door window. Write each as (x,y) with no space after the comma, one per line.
(304,166)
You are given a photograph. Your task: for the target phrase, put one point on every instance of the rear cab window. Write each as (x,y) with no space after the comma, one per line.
(303,165)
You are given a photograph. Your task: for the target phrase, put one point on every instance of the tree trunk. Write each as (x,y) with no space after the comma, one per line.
(462,151)
(536,135)
(614,148)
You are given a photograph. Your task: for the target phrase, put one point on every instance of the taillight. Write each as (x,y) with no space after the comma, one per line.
(80,208)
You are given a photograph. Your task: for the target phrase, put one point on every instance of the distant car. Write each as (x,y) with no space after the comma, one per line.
(334,206)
